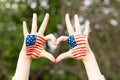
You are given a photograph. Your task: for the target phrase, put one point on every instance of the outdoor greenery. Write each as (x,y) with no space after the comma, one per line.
(104,39)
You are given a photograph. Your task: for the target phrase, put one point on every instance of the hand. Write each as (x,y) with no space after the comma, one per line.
(33,46)
(77,40)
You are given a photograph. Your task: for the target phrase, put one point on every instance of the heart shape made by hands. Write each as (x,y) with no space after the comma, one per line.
(35,40)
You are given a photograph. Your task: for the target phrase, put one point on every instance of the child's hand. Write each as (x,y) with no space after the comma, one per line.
(34,41)
(77,40)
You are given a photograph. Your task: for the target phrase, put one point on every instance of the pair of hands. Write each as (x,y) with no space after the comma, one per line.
(33,46)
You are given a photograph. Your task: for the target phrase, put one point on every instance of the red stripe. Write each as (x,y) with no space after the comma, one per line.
(79,56)
(76,53)
(31,49)
(40,46)
(81,52)
(76,50)
(81,43)
(35,56)
(34,50)
(37,53)
(35,46)
(80,40)
(40,43)
(32,55)
(40,40)
(84,53)
(28,54)
(39,37)
(80,47)
(83,47)
(80,35)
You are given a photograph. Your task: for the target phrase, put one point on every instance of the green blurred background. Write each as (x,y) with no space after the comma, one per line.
(104,39)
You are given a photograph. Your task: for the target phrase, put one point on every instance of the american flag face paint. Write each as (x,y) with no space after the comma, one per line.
(34,45)
(77,44)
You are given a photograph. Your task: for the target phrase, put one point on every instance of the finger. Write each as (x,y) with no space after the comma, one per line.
(61,38)
(25,31)
(34,24)
(44,24)
(87,28)
(64,56)
(51,37)
(77,24)
(68,24)
(47,55)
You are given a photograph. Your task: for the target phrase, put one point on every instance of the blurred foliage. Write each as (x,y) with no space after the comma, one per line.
(104,38)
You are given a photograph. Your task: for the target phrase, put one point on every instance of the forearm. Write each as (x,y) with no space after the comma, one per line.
(23,68)
(92,68)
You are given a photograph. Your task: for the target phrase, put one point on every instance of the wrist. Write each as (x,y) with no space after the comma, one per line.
(22,54)
(23,67)
(91,65)
(25,58)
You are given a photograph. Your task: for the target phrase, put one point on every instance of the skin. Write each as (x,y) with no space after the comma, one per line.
(24,62)
(89,60)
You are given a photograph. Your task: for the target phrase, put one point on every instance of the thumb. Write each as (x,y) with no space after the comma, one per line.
(47,55)
(64,56)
